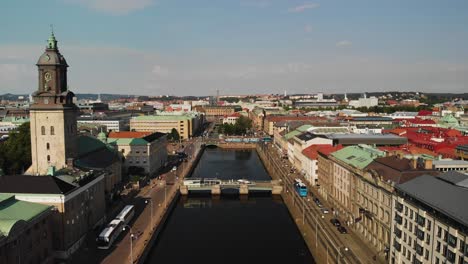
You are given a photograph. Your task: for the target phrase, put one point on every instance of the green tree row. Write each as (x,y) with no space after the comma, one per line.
(15,152)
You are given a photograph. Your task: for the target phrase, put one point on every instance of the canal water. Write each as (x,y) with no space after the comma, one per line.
(230,229)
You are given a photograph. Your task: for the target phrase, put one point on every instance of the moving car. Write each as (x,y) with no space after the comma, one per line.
(342,230)
(335,222)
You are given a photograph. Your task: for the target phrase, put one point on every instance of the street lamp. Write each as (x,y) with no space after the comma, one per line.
(316,229)
(131,242)
(149,200)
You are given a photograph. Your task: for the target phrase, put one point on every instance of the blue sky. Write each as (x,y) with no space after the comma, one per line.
(194,47)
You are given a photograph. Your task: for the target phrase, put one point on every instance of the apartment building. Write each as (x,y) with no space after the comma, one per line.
(78,202)
(430,220)
(25,232)
(186,125)
(146,150)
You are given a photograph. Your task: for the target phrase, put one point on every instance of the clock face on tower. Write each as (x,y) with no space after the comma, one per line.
(47,76)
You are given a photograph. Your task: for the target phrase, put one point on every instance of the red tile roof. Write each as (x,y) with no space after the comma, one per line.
(327,149)
(294,118)
(129,134)
(311,152)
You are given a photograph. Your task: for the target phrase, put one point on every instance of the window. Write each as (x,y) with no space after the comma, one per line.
(421,220)
(450,256)
(419,233)
(399,207)
(43,130)
(48,146)
(398,219)
(419,249)
(439,232)
(452,241)
(48,158)
(123,150)
(52,130)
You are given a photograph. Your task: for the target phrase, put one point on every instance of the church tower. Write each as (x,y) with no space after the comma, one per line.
(53,114)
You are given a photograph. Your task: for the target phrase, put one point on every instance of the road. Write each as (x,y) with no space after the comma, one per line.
(150,205)
(357,250)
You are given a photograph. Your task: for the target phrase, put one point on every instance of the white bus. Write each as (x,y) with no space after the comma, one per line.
(126,214)
(109,234)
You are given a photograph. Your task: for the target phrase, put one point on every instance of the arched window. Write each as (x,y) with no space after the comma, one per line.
(52,130)
(43,130)
(48,146)
(48,158)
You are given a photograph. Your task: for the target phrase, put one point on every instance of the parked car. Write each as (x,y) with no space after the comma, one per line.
(342,230)
(325,211)
(335,222)
(174,168)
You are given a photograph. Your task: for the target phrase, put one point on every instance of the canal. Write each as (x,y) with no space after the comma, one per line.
(230,229)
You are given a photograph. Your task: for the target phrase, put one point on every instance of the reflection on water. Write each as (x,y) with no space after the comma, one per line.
(230,229)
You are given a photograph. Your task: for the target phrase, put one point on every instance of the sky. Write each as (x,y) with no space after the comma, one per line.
(195,47)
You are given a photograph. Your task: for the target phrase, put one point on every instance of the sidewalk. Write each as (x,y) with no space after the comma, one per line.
(357,247)
(160,196)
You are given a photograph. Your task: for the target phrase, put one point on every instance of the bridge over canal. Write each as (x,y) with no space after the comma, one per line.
(216,186)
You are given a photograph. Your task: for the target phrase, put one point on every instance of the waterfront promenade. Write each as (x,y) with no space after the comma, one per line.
(158,194)
(324,241)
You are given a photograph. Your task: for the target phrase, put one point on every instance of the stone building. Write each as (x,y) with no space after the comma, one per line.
(186,125)
(77,199)
(25,231)
(429,228)
(146,150)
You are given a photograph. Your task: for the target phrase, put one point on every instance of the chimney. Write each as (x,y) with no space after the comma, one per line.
(428,164)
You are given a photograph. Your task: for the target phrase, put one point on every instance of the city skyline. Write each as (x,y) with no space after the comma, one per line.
(240,47)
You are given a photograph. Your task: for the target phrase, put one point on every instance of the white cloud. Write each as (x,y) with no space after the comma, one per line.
(344,43)
(108,69)
(114,7)
(303,7)
(308,28)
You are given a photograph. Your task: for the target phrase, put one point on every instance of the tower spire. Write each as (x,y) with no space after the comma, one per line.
(52,42)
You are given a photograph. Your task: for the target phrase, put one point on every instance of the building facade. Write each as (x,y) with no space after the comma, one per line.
(430,228)
(25,232)
(146,150)
(78,205)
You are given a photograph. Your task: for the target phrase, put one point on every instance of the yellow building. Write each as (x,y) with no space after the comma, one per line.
(186,125)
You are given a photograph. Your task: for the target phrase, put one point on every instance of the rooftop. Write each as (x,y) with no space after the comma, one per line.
(34,185)
(13,211)
(128,134)
(162,118)
(451,190)
(358,156)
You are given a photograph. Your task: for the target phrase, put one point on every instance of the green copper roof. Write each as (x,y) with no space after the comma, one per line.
(358,156)
(52,42)
(13,211)
(296,132)
(128,141)
(102,136)
(291,134)
(164,117)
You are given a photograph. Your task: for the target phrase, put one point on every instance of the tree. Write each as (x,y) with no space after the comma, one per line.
(15,152)
(239,128)
(174,135)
